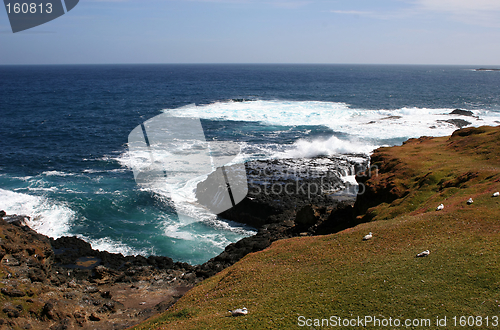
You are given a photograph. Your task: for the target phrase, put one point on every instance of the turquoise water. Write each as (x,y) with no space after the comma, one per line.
(64,133)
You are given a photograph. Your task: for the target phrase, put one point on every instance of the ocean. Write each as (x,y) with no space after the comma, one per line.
(65,161)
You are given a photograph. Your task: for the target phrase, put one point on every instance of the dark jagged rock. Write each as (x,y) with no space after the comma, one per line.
(12,292)
(306,217)
(67,282)
(11,312)
(37,275)
(278,186)
(287,198)
(462,112)
(457,122)
(18,220)
(341,218)
(376,192)
(73,252)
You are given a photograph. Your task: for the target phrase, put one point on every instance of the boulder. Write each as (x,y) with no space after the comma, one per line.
(457,122)
(306,217)
(12,292)
(17,220)
(461,112)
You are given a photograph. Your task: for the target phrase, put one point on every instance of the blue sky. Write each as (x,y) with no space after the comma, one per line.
(267,31)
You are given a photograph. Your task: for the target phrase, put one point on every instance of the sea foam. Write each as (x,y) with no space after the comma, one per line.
(46,217)
(357,130)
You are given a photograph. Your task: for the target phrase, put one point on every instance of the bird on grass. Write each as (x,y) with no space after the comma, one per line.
(423,254)
(496,194)
(367,237)
(239,311)
(440,207)
(470,201)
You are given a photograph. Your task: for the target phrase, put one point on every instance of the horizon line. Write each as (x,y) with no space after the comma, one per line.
(481,66)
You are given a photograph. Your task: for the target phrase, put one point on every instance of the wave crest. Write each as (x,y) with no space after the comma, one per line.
(46,217)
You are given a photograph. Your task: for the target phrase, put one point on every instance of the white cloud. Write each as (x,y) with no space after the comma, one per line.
(375,14)
(474,12)
(353,12)
(276,3)
(460,6)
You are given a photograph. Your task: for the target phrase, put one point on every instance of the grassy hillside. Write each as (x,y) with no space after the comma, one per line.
(341,275)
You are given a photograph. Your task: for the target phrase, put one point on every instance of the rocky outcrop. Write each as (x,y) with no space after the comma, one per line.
(65,284)
(288,198)
(461,112)
(378,184)
(459,123)
(398,174)
(278,188)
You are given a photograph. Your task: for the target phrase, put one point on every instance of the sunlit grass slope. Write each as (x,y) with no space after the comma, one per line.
(341,275)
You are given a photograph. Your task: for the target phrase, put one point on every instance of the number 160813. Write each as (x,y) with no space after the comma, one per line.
(29,8)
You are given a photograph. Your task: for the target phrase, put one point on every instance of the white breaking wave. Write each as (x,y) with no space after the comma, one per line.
(286,113)
(364,129)
(94,171)
(47,217)
(326,147)
(213,238)
(179,193)
(113,246)
(57,173)
(49,189)
(188,211)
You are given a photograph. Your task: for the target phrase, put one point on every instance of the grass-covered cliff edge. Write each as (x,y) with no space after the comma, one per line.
(296,281)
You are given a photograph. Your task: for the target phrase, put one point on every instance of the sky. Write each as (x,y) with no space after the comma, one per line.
(462,32)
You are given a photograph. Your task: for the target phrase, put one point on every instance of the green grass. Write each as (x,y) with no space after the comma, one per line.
(344,276)
(341,275)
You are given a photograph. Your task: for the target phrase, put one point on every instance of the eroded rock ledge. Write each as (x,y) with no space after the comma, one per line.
(64,284)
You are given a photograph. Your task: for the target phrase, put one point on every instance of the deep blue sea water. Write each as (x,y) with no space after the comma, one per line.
(64,130)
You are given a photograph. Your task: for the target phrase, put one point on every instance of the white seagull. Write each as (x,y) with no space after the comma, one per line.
(367,237)
(423,254)
(470,201)
(496,194)
(440,207)
(239,311)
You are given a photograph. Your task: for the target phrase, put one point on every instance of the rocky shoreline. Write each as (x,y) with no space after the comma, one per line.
(65,284)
